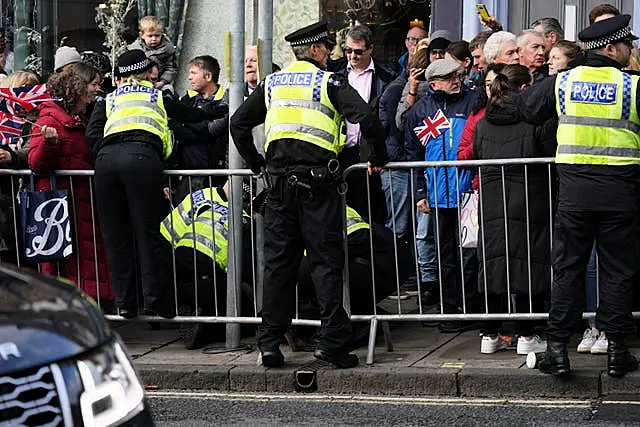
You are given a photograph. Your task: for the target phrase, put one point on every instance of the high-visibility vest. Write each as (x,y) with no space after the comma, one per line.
(138,107)
(201,220)
(298,107)
(598,121)
(217,97)
(355,221)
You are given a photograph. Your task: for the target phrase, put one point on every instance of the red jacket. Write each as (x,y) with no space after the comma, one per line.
(465,148)
(72,152)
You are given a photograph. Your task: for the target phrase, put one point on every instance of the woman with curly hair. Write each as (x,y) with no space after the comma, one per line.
(60,144)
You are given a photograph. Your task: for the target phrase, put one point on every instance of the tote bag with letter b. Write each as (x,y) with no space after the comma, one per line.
(469,219)
(46,225)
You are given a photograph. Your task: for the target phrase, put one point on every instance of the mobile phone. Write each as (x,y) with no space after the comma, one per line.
(483,12)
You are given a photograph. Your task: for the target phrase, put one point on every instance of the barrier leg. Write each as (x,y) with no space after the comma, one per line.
(386,332)
(371,350)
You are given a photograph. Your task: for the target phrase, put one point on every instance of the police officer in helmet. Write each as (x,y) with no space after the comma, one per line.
(303,108)
(597,161)
(130,138)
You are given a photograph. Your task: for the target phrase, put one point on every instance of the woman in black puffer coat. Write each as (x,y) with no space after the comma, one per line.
(502,135)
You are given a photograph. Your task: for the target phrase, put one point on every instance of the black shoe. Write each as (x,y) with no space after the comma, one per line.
(341,360)
(191,333)
(272,358)
(620,360)
(454,326)
(430,298)
(160,308)
(128,313)
(556,359)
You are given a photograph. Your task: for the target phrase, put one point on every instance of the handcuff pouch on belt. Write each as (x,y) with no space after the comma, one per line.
(306,181)
(302,181)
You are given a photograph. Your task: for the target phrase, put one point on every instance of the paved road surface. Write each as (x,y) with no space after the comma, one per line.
(232,409)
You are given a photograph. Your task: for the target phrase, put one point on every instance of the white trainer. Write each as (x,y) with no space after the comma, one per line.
(492,343)
(589,338)
(601,345)
(532,344)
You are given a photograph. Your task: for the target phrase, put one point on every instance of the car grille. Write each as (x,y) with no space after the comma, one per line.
(30,398)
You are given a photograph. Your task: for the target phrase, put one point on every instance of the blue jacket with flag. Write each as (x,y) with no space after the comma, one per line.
(432,133)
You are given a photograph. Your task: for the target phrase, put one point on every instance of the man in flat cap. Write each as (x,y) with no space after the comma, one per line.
(303,108)
(597,162)
(432,133)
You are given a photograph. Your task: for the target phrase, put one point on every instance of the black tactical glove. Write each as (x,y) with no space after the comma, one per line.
(258,165)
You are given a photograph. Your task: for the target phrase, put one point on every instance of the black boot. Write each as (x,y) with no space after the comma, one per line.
(620,360)
(556,359)
(341,359)
(272,357)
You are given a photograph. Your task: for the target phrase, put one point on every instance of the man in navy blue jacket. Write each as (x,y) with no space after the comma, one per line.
(432,133)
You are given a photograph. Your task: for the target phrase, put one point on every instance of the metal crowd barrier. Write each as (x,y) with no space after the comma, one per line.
(19,180)
(401,310)
(417,310)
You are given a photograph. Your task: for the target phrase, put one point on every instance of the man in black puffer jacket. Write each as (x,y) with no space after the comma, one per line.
(202,145)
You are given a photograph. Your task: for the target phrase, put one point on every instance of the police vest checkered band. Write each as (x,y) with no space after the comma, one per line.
(310,40)
(609,38)
(134,67)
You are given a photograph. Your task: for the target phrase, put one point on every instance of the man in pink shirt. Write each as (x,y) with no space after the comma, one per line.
(369,80)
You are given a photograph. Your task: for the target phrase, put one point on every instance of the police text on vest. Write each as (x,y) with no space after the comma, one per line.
(292,79)
(594,93)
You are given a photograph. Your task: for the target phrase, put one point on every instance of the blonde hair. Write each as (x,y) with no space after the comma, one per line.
(150,23)
(134,79)
(19,79)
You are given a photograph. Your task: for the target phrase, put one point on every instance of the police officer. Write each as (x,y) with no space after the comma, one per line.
(130,138)
(303,108)
(200,222)
(597,162)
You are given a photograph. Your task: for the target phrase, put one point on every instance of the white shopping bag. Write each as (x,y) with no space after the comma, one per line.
(469,219)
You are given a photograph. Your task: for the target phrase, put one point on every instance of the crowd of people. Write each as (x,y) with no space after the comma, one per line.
(492,97)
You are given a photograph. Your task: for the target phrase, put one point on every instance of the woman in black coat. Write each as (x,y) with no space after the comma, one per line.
(502,135)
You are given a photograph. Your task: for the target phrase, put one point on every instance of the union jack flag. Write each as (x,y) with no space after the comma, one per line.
(431,127)
(10,128)
(25,98)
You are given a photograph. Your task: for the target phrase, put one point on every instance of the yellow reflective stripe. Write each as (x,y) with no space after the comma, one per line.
(130,120)
(172,233)
(356,225)
(299,103)
(214,224)
(184,214)
(295,127)
(599,122)
(190,236)
(138,103)
(592,150)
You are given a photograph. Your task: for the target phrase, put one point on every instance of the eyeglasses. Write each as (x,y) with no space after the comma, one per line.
(413,39)
(452,77)
(356,51)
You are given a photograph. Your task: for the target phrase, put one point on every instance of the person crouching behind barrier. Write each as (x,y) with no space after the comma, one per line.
(198,230)
(130,138)
(361,283)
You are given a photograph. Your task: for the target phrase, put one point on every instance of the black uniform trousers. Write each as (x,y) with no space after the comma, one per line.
(129,183)
(297,220)
(617,247)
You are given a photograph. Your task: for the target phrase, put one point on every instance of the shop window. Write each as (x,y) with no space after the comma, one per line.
(388,19)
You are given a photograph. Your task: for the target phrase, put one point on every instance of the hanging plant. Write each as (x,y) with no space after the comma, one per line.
(111,19)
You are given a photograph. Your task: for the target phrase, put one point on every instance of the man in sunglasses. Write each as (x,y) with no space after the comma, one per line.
(370,79)
(302,108)
(597,162)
